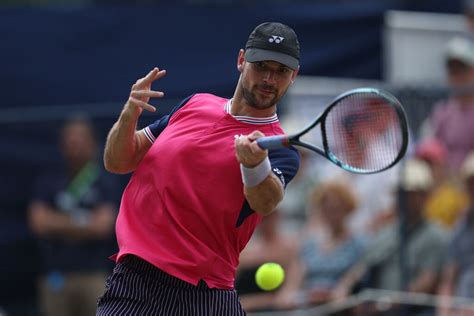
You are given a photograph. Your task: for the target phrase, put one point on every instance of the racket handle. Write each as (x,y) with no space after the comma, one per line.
(273,142)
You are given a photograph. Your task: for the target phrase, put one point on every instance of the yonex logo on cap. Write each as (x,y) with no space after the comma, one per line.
(275,42)
(276,39)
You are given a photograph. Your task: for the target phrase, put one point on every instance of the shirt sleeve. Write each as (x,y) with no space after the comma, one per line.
(285,163)
(154,129)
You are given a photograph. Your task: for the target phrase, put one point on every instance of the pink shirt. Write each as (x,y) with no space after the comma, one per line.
(181,208)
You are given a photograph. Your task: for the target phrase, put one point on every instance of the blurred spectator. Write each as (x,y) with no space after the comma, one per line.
(269,244)
(451,120)
(423,243)
(447,200)
(458,270)
(468,11)
(19,269)
(73,213)
(293,207)
(374,195)
(327,248)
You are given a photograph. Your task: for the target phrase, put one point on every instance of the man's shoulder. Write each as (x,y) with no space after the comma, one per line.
(197,103)
(207,97)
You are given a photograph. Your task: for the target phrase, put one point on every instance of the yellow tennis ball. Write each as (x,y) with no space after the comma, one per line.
(269,276)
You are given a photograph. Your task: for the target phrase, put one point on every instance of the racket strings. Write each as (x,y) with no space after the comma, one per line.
(363,132)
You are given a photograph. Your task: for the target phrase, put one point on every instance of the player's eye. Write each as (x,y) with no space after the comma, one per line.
(261,65)
(283,70)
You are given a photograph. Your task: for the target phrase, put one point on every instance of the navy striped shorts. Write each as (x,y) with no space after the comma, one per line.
(136,287)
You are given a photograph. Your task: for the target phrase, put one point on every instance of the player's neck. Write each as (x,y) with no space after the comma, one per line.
(240,107)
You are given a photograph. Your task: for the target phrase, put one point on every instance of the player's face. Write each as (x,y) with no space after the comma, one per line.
(264,83)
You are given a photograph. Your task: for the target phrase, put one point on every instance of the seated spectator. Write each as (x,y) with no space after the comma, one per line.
(458,270)
(375,207)
(269,244)
(423,243)
(327,248)
(73,214)
(293,206)
(451,120)
(447,200)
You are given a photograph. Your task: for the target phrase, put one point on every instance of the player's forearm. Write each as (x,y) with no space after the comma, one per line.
(120,154)
(264,197)
(125,146)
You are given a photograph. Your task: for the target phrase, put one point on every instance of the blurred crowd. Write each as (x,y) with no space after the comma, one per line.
(410,228)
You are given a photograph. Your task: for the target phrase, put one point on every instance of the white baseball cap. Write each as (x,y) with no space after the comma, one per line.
(416,176)
(460,49)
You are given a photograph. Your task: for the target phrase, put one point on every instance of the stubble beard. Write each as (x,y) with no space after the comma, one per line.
(250,96)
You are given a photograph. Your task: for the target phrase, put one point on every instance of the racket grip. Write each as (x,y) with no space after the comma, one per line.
(273,142)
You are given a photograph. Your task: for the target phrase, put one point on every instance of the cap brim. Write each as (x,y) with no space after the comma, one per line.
(255,54)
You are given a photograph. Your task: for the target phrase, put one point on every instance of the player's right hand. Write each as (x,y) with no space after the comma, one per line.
(141,93)
(247,151)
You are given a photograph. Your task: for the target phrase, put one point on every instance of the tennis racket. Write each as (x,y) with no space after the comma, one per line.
(363,131)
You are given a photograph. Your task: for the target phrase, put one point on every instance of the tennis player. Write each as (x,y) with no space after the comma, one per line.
(200,185)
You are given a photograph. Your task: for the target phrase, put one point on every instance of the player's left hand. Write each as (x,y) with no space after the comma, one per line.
(247,151)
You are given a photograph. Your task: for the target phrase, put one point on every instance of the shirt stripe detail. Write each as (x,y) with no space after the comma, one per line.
(250,119)
(149,134)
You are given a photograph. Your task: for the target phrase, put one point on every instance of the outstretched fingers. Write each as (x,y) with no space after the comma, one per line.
(146,94)
(141,91)
(141,104)
(146,81)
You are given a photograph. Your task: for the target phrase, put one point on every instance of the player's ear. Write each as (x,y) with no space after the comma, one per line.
(295,73)
(241,60)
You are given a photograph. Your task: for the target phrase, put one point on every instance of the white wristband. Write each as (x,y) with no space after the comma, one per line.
(254,176)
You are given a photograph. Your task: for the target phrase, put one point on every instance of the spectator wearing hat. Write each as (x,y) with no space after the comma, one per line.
(458,270)
(424,243)
(447,200)
(451,120)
